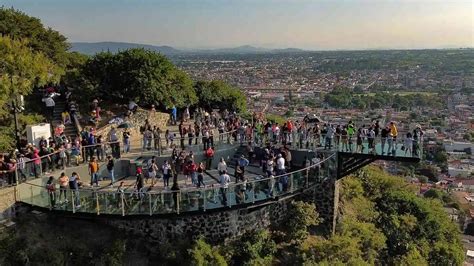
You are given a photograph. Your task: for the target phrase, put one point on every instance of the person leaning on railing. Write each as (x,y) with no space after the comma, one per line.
(63,185)
(224,181)
(74,183)
(51,188)
(75,154)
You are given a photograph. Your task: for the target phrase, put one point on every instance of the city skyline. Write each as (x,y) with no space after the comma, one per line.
(311,25)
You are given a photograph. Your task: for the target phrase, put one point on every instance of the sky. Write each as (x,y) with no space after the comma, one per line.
(307,24)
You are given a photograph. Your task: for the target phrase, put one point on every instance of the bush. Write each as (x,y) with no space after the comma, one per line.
(202,254)
(301,216)
(253,248)
(433,194)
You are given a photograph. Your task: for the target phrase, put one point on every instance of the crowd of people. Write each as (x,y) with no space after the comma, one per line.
(204,129)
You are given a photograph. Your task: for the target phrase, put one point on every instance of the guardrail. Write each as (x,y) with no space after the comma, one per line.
(73,157)
(125,202)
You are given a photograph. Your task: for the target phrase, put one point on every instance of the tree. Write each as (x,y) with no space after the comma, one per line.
(300,217)
(409,221)
(337,250)
(75,61)
(467,136)
(114,255)
(440,157)
(217,94)
(47,41)
(434,194)
(137,74)
(253,248)
(21,69)
(423,179)
(202,254)
(377,206)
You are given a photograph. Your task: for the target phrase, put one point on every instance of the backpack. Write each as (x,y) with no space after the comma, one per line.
(110,165)
(151,168)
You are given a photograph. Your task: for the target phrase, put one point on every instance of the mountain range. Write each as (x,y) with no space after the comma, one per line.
(91,48)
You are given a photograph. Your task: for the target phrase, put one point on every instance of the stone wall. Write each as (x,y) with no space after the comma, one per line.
(215,226)
(326,199)
(7,202)
(135,121)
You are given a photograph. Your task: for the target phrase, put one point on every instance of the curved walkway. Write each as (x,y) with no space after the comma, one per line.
(130,202)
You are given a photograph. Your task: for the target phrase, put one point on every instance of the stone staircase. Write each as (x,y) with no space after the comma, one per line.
(70,129)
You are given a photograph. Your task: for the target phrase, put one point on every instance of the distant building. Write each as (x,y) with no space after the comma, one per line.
(456,146)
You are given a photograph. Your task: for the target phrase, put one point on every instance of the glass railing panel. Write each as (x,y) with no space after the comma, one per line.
(263,189)
(212,197)
(165,202)
(242,193)
(89,203)
(191,200)
(41,197)
(23,193)
(135,203)
(110,202)
(231,199)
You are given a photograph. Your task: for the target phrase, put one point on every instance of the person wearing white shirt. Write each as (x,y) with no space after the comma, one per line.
(132,106)
(280,164)
(224,181)
(270,166)
(222,166)
(280,171)
(49,102)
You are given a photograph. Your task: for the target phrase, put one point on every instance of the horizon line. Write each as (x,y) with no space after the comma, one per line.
(443,47)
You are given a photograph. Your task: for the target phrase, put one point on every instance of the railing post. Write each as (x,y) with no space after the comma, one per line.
(273,185)
(97,202)
(307,178)
(291,183)
(122,200)
(31,195)
(159,147)
(73,202)
(16,176)
(15,196)
(205,199)
(149,203)
(253,192)
(229,202)
(178,199)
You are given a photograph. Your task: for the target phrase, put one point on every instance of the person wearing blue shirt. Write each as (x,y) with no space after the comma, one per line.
(174,113)
(240,168)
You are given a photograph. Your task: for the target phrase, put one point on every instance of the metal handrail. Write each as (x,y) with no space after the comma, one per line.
(193,189)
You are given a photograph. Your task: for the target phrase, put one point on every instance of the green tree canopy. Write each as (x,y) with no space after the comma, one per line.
(300,217)
(384,222)
(217,94)
(202,254)
(137,74)
(253,248)
(21,69)
(19,25)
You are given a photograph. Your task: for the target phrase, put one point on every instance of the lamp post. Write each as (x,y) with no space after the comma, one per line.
(15,110)
(17,131)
